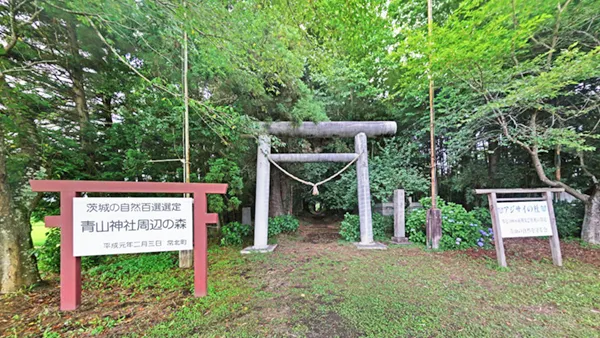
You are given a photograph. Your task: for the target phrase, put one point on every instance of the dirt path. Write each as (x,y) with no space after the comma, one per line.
(320,229)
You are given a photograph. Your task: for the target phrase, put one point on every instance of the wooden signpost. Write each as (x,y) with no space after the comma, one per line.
(516,215)
(120,225)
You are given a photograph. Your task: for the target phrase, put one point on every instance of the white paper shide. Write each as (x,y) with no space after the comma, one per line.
(524,219)
(115,225)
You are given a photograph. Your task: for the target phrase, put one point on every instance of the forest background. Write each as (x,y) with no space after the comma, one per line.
(92,90)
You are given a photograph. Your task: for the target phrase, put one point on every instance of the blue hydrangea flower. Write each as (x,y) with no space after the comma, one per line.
(480,244)
(482,232)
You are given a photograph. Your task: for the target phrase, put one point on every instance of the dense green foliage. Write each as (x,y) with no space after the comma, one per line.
(138,271)
(569,216)
(48,254)
(350,227)
(234,233)
(461,229)
(394,166)
(285,224)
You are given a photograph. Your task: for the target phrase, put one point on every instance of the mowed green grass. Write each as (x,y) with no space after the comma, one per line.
(38,233)
(333,290)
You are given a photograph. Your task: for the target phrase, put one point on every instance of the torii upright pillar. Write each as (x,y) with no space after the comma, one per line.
(364,189)
(261,212)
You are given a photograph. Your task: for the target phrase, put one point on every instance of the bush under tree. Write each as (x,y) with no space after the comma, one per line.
(350,227)
(461,229)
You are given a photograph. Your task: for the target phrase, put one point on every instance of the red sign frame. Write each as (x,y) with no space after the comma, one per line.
(70,266)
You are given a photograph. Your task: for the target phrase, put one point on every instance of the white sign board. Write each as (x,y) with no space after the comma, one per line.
(524,219)
(122,225)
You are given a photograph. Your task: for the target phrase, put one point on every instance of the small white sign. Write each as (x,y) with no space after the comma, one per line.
(524,219)
(122,225)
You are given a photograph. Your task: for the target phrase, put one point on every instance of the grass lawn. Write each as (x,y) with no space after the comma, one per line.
(327,290)
(38,233)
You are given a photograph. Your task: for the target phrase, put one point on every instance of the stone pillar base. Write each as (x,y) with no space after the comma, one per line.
(251,249)
(400,240)
(371,246)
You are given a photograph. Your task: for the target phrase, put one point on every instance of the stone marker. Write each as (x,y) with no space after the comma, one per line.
(384,209)
(247,216)
(399,219)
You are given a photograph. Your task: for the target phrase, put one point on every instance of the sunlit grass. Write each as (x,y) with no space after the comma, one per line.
(38,233)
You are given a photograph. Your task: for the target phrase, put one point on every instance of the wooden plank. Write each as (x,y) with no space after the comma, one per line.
(517,191)
(70,266)
(554,241)
(317,157)
(498,241)
(331,129)
(520,199)
(125,187)
(52,221)
(434,228)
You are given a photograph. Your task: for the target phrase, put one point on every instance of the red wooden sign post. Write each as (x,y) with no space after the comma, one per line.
(70,266)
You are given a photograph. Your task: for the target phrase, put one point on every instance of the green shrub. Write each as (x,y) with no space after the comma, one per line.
(48,255)
(139,270)
(283,224)
(483,216)
(234,233)
(415,225)
(460,229)
(350,227)
(569,217)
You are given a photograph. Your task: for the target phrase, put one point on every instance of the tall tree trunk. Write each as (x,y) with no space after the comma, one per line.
(286,202)
(276,200)
(106,110)
(76,70)
(590,231)
(17,266)
(493,159)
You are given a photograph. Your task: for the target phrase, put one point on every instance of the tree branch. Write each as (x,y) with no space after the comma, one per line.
(506,132)
(122,59)
(585,169)
(539,169)
(589,36)
(561,9)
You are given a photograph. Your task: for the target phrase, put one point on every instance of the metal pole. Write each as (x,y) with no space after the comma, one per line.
(186,257)
(431,110)
(434,217)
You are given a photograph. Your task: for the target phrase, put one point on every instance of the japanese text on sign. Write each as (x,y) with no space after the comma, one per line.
(106,226)
(524,219)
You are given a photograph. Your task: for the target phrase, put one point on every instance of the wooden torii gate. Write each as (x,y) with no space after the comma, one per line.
(358,130)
